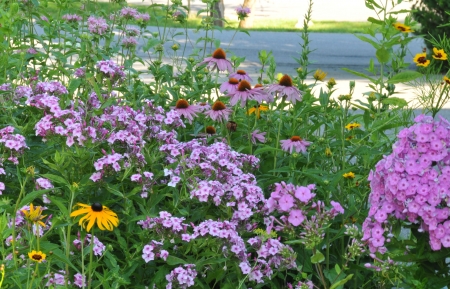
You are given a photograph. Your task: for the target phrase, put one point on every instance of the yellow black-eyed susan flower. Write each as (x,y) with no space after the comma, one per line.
(402,27)
(37,256)
(257,110)
(34,215)
(446,80)
(352,125)
(439,54)
(105,218)
(349,175)
(421,59)
(319,75)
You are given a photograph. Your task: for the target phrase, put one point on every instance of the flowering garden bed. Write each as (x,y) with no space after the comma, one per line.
(205,176)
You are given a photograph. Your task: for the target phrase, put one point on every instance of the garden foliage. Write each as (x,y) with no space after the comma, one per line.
(128,163)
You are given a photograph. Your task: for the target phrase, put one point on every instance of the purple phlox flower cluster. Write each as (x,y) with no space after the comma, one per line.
(31,50)
(97,25)
(146,179)
(103,165)
(43,183)
(413,184)
(224,180)
(53,88)
(302,285)
(165,224)
(153,250)
(6,87)
(13,144)
(129,42)
(72,18)
(111,70)
(55,279)
(242,12)
(297,207)
(79,280)
(181,277)
(80,72)
(98,249)
(271,254)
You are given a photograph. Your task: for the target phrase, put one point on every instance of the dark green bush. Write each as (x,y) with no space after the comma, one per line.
(431,14)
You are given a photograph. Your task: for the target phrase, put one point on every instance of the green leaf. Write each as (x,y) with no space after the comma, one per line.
(318,257)
(368,40)
(405,76)
(265,149)
(56,179)
(31,196)
(359,74)
(59,204)
(375,21)
(341,282)
(395,101)
(383,55)
(172,260)
(337,268)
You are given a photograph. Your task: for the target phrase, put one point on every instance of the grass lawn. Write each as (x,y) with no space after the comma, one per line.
(157,18)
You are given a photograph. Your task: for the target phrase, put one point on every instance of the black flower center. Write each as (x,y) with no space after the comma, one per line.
(37,257)
(97,207)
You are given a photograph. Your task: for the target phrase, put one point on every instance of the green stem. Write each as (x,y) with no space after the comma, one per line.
(91,257)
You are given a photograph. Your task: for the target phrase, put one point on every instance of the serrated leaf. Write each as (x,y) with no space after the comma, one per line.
(405,76)
(318,257)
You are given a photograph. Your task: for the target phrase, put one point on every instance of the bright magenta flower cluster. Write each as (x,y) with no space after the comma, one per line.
(413,184)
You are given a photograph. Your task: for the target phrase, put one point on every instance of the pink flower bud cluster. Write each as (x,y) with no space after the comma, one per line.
(72,18)
(413,184)
(220,175)
(181,277)
(98,249)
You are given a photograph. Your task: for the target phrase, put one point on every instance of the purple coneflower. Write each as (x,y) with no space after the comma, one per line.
(219,112)
(186,110)
(294,143)
(285,88)
(218,60)
(263,95)
(243,93)
(241,75)
(229,86)
(258,136)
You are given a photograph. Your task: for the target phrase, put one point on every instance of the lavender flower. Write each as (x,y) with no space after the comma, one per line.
(241,75)
(186,110)
(284,88)
(229,86)
(219,112)
(218,61)
(296,144)
(97,26)
(258,136)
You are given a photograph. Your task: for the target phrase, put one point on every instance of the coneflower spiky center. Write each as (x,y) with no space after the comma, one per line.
(219,54)
(233,80)
(181,103)
(286,80)
(241,72)
(244,85)
(296,138)
(258,85)
(218,105)
(210,130)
